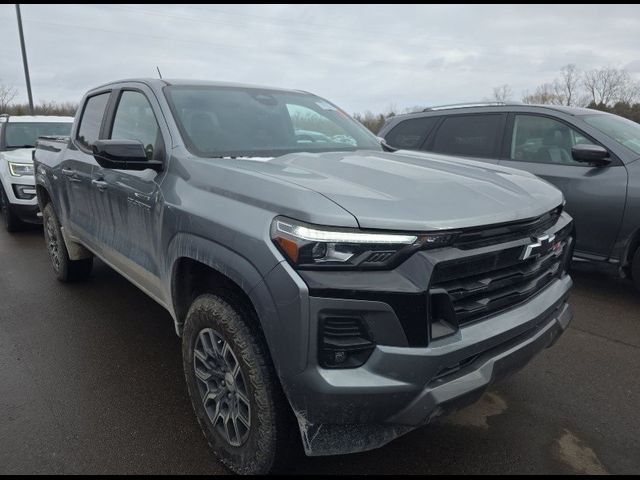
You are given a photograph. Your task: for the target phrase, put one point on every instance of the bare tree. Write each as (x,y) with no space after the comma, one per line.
(7,95)
(630,91)
(502,93)
(567,86)
(545,94)
(371,120)
(606,85)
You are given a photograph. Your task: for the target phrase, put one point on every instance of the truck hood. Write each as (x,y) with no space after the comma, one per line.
(19,155)
(414,191)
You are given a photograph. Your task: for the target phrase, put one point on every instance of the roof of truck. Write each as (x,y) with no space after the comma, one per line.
(35,119)
(156,82)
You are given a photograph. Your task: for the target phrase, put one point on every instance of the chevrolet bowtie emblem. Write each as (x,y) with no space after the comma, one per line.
(540,245)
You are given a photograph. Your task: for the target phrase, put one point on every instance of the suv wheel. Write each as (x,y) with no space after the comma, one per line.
(11,221)
(66,270)
(635,269)
(234,389)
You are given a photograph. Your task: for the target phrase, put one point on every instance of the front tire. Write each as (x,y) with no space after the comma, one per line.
(233,387)
(11,221)
(65,269)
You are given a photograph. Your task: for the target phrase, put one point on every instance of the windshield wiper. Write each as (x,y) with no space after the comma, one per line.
(20,146)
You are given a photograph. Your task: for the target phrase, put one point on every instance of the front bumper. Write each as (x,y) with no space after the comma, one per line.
(399,389)
(25,208)
(28,213)
(436,332)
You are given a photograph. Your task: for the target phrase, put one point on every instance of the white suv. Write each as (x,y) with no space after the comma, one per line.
(18,135)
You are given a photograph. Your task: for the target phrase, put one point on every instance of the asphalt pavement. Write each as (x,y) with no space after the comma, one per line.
(91,382)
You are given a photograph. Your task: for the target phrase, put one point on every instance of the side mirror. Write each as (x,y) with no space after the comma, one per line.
(123,155)
(385,146)
(592,154)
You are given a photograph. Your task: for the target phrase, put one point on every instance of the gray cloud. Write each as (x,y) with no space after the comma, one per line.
(361,57)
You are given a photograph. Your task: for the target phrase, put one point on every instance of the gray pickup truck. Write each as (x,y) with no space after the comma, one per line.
(329,293)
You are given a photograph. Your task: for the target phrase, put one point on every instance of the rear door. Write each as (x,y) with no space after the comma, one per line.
(77,166)
(541,144)
(477,135)
(130,202)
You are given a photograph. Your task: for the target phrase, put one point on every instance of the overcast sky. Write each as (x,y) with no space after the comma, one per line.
(360,57)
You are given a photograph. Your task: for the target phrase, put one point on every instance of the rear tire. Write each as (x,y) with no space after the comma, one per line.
(635,269)
(242,411)
(65,269)
(11,221)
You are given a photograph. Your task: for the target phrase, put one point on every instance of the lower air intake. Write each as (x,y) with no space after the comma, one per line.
(344,342)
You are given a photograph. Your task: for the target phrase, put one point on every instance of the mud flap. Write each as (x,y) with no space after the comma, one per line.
(74,249)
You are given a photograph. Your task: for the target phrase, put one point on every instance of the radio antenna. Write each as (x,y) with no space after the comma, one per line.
(159,74)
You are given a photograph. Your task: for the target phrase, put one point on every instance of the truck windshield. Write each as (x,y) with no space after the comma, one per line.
(248,122)
(25,134)
(620,129)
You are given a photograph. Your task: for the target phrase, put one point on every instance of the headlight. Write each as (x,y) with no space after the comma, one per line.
(21,169)
(312,247)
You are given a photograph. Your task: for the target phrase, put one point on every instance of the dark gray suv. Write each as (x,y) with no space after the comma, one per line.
(590,155)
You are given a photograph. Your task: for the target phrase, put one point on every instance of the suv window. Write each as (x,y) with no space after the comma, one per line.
(469,135)
(411,133)
(25,134)
(89,130)
(135,120)
(544,140)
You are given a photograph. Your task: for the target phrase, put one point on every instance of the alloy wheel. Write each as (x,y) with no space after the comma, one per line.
(53,246)
(222,387)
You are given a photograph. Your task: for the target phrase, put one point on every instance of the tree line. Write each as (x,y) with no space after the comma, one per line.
(8,105)
(608,89)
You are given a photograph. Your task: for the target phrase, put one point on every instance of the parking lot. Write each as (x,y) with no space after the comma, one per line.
(91,382)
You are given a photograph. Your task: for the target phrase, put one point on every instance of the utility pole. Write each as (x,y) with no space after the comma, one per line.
(24,58)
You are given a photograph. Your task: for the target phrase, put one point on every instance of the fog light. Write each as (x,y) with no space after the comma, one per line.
(344,342)
(24,192)
(339,357)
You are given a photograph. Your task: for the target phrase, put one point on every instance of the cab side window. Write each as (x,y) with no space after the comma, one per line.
(470,135)
(135,120)
(91,121)
(544,140)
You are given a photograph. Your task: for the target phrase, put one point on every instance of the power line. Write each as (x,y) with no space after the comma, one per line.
(288,22)
(244,48)
(290,25)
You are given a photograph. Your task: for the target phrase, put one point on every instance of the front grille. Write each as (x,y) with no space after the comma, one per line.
(481,237)
(482,285)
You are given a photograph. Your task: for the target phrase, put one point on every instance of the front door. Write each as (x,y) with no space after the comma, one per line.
(130,201)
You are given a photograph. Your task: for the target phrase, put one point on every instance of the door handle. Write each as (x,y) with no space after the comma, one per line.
(100,184)
(72,175)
